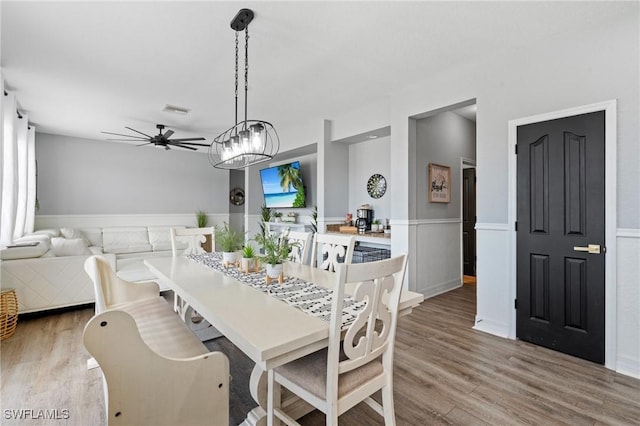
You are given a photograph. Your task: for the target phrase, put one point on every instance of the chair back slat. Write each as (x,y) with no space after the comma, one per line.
(194,237)
(333,246)
(372,333)
(299,252)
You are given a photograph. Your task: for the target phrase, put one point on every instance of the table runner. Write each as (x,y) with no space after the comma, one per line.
(306,296)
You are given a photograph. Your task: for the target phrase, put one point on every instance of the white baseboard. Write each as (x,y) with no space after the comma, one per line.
(628,366)
(492,327)
(440,288)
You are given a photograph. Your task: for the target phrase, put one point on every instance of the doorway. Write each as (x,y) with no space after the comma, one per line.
(610,120)
(560,235)
(469,218)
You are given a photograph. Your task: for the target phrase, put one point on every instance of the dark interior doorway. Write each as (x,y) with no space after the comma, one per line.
(469,220)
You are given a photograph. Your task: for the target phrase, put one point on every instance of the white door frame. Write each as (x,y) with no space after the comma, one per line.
(465,163)
(610,109)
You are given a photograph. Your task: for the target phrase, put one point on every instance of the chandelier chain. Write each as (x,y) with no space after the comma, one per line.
(246,72)
(236,64)
(236,116)
(246,58)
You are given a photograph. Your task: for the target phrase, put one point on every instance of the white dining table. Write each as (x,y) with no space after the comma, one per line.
(268,330)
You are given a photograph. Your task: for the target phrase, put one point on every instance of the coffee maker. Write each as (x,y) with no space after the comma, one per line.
(364,219)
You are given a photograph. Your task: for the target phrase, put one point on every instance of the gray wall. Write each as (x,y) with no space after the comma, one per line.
(236,213)
(442,139)
(365,159)
(79,176)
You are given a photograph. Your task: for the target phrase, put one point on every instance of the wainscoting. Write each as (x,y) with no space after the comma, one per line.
(436,255)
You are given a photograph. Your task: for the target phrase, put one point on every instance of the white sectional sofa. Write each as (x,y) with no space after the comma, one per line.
(51,274)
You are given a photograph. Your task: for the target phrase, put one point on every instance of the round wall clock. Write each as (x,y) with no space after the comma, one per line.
(236,196)
(376,186)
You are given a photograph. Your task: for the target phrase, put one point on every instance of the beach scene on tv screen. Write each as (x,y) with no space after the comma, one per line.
(282,186)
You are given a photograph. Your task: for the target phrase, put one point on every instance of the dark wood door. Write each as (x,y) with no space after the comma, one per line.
(469,221)
(560,289)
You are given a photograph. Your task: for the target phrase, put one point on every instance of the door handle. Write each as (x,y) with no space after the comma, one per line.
(591,248)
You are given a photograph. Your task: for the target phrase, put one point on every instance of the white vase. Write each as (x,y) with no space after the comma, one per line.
(274,271)
(247,263)
(229,256)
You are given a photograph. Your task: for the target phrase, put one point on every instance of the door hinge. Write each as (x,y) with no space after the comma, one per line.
(516,149)
(515,304)
(515,225)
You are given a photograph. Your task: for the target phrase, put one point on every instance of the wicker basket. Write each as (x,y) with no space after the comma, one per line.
(8,313)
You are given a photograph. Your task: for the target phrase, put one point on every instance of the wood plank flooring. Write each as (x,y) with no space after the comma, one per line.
(446,373)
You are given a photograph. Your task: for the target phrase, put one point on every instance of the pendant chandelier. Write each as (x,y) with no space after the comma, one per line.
(247,142)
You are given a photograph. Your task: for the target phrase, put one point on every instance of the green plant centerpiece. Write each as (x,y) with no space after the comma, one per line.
(277,216)
(201,219)
(248,262)
(277,249)
(265,216)
(230,242)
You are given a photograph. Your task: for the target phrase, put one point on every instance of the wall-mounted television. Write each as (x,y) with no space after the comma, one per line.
(282,186)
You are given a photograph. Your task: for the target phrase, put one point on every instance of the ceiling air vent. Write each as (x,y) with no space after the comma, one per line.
(176,109)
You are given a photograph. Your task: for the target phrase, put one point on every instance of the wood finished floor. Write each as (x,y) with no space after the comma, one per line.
(446,373)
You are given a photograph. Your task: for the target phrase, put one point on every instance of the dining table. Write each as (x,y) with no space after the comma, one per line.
(268,330)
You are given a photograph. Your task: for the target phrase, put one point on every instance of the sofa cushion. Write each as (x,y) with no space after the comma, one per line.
(96,250)
(73,234)
(69,247)
(94,235)
(50,232)
(125,239)
(32,238)
(24,252)
(160,238)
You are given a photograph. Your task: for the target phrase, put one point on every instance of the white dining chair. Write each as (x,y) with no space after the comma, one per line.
(350,370)
(110,290)
(194,237)
(333,246)
(300,252)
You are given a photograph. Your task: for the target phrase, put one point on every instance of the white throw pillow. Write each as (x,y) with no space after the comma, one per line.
(69,247)
(73,233)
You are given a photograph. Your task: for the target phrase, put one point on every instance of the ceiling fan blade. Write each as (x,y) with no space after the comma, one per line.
(168,134)
(120,134)
(191,143)
(179,145)
(125,140)
(145,144)
(188,139)
(134,130)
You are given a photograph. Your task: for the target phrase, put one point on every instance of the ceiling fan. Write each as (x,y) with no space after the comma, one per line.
(160,139)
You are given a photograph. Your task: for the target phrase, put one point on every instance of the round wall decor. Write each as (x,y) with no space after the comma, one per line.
(236,196)
(376,186)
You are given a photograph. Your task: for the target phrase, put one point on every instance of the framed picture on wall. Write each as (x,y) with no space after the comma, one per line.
(439,183)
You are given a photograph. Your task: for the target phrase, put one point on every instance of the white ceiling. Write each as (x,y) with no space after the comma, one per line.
(82,67)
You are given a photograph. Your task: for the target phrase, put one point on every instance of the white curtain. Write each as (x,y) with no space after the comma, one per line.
(17,183)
